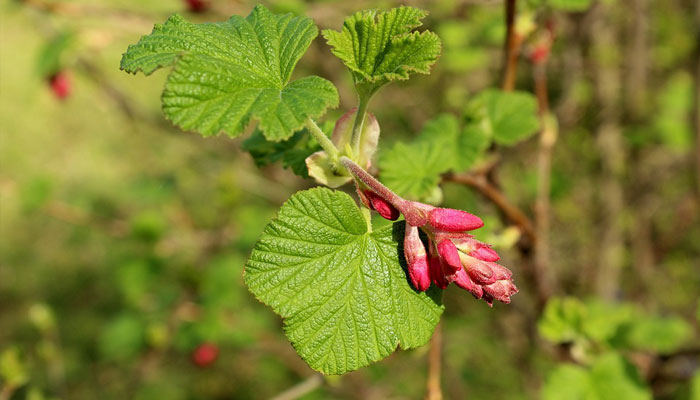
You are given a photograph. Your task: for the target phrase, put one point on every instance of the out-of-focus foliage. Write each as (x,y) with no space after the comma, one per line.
(124,239)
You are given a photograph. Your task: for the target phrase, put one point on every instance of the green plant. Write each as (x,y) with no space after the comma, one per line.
(349,294)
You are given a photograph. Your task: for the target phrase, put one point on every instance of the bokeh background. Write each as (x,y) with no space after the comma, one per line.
(123,239)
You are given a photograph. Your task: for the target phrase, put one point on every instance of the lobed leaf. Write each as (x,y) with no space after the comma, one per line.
(379,47)
(227,73)
(341,289)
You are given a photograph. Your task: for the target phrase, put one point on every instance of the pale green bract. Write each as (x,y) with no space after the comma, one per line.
(379,47)
(342,290)
(227,73)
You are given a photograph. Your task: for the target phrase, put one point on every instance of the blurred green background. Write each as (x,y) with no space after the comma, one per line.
(123,239)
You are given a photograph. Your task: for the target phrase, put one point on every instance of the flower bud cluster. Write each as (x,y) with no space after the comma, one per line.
(449,254)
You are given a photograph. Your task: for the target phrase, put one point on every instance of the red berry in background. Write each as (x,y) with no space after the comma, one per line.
(60,85)
(539,54)
(205,354)
(197,6)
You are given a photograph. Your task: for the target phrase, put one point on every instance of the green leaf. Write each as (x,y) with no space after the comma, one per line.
(122,338)
(291,152)
(52,56)
(570,5)
(671,117)
(603,321)
(658,334)
(562,319)
(227,73)
(13,371)
(379,47)
(413,170)
(461,148)
(614,378)
(508,117)
(566,382)
(695,386)
(611,377)
(342,291)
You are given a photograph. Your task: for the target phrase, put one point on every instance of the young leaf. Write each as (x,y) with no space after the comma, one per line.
(509,117)
(343,293)
(379,47)
(227,73)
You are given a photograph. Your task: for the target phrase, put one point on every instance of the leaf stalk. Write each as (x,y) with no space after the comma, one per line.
(323,140)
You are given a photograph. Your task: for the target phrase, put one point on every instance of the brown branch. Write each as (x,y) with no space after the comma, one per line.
(697,98)
(434,390)
(511,47)
(542,209)
(510,211)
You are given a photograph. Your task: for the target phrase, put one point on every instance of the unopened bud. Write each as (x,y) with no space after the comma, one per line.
(383,207)
(416,258)
(451,220)
(450,255)
(500,290)
(478,270)
(476,249)
(462,280)
(436,274)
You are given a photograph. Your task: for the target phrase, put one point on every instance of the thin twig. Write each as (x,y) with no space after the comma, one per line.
(306,386)
(697,97)
(510,211)
(548,137)
(434,389)
(511,47)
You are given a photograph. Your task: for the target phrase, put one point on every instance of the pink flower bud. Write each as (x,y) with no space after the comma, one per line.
(416,258)
(485,254)
(60,85)
(476,249)
(363,197)
(500,290)
(436,274)
(451,220)
(448,251)
(383,207)
(500,272)
(479,271)
(462,280)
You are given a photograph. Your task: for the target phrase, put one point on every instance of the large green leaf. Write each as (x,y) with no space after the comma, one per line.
(379,47)
(343,293)
(227,73)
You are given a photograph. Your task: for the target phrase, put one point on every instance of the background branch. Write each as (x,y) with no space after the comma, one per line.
(434,389)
